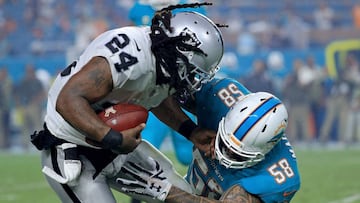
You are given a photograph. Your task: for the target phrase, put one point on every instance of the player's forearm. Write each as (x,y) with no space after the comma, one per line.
(76,112)
(170,113)
(177,195)
(239,195)
(87,86)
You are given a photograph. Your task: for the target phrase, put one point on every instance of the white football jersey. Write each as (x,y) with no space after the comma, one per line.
(132,64)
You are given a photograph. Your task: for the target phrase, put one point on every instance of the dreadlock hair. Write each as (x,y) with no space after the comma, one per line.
(166,49)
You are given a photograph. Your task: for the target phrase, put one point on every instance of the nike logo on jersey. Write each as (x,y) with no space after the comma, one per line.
(137,46)
(285,194)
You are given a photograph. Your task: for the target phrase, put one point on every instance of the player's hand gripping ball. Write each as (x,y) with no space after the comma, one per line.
(124,116)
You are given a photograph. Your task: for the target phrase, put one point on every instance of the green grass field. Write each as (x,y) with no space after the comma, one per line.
(328,176)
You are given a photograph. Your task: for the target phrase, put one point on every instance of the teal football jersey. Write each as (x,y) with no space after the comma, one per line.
(275,179)
(215,98)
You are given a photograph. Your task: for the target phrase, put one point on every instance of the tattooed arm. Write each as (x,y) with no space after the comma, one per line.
(235,194)
(90,84)
(177,195)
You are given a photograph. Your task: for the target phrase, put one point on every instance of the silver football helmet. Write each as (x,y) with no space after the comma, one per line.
(250,130)
(203,34)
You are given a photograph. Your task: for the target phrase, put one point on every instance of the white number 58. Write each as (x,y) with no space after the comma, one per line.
(281,171)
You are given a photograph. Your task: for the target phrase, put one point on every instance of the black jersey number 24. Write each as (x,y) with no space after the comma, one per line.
(114,45)
(126,59)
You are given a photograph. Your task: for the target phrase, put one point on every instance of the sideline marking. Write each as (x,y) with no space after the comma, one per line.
(348,199)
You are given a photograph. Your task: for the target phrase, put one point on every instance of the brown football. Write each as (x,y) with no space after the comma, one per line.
(124,116)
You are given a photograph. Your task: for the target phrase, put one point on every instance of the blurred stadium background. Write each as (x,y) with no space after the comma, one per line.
(307,52)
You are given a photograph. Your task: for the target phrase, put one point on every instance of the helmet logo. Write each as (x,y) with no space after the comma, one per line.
(281,128)
(275,139)
(278,133)
(191,38)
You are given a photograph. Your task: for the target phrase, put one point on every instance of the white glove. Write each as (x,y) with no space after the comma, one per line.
(72,169)
(150,182)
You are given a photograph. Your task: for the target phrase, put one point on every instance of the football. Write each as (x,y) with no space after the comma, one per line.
(124,116)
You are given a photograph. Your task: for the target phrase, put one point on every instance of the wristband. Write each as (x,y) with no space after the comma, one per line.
(112,139)
(186,128)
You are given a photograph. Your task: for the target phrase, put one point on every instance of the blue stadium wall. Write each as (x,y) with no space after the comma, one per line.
(54,64)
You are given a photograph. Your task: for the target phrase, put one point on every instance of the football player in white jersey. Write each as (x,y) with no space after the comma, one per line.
(148,66)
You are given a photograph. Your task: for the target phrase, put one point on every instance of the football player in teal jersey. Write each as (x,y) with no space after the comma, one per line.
(254,161)
(251,149)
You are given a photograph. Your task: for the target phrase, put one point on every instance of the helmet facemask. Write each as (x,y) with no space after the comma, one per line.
(192,76)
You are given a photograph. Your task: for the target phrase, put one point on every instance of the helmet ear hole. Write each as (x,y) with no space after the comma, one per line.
(250,132)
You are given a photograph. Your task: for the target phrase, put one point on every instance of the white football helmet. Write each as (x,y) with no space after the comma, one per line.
(250,130)
(203,34)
